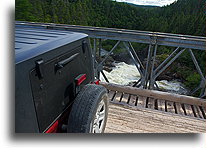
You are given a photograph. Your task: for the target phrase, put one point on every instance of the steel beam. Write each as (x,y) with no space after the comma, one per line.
(115,46)
(152,80)
(169,63)
(166,60)
(94,57)
(136,83)
(133,58)
(202,83)
(147,69)
(100,48)
(104,77)
(135,55)
(196,65)
(167,39)
(202,90)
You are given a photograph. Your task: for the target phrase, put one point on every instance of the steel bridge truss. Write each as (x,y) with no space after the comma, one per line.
(148,73)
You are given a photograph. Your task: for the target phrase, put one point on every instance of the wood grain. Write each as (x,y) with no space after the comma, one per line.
(151,103)
(179,109)
(129,120)
(117,97)
(198,112)
(125,98)
(170,107)
(189,110)
(161,105)
(132,100)
(141,101)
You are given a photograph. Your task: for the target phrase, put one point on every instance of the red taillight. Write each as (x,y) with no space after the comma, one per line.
(80,79)
(96,82)
(53,128)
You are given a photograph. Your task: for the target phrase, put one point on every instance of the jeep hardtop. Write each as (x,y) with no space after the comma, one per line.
(54,82)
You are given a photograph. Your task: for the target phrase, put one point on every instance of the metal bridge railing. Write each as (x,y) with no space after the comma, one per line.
(148,73)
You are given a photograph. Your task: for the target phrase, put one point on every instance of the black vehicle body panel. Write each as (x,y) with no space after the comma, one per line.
(47,63)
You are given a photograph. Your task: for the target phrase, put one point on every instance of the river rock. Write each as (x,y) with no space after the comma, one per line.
(108,64)
(123,57)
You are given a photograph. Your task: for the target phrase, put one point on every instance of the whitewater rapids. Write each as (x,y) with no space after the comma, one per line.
(124,74)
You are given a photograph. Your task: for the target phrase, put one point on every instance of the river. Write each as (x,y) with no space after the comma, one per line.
(124,74)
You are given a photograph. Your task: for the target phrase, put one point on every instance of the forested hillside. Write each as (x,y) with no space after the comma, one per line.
(182,17)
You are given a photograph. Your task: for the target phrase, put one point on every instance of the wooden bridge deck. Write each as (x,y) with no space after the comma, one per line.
(130,120)
(129,113)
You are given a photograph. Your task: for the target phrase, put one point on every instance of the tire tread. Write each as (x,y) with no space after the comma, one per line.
(84,107)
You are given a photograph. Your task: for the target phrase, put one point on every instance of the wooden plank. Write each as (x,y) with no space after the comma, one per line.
(132,100)
(189,110)
(118,97)
(170,106)
(197,112)
(151,103)
(141,101)
(179,109)
(139,120)
(111,94)
(203,110)
(125,98)
(161,105)
(155,94)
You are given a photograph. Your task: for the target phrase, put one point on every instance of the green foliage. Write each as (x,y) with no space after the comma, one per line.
(23,10)
(183,16)
(192,80)
(161,57)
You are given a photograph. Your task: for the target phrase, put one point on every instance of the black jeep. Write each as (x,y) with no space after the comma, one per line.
(55,84)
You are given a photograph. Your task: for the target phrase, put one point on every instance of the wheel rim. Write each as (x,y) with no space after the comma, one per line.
(99,120)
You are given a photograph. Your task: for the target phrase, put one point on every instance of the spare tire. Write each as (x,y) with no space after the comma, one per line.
(89,111)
